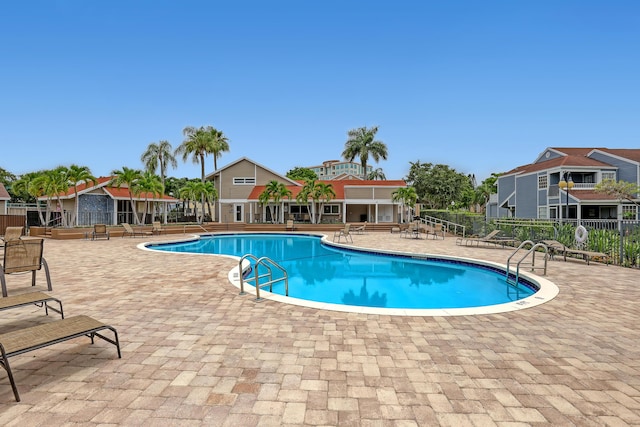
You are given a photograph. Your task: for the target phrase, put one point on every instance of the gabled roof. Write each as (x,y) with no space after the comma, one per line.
(4,194)
(338,187)
(114,192)
(574,157)
(575,161)
(244,158)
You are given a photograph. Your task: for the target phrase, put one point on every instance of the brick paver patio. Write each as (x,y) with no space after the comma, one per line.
(197,353)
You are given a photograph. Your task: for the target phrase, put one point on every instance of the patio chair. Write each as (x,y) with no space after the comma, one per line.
(436,230)
(345,232)
(133,232)
(156,228)
(100,232)
(11,233)
(21,256)
(290,225)
(361,229)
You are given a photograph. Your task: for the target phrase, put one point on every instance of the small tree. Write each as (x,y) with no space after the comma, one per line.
(407,197)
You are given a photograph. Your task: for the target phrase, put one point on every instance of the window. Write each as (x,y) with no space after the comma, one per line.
(629,211)
(608,175)
(542,212)
(244,181)
(543,182)
(331,209)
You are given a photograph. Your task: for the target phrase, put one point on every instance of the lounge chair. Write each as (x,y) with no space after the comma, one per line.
(100,232)
(345,232)
(22,256)
(157,228)
(290,225)
(31,338)
(491,238)
(361,229)
(133,232)
(554,247)
(11,233)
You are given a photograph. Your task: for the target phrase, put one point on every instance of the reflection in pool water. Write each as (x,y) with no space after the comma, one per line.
(324,273)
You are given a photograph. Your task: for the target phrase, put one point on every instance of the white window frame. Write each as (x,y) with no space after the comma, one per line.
(331,211)
(543,182)
(240,180)
(542,212)
(608,175)
(630,209)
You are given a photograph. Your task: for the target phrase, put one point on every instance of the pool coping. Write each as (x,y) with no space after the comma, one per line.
(547,289)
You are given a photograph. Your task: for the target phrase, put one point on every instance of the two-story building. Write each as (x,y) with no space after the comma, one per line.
(240,183)
(560,184)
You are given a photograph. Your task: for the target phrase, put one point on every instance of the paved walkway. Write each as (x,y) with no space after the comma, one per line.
(197,353)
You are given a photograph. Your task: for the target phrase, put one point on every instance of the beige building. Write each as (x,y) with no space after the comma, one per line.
(240,184)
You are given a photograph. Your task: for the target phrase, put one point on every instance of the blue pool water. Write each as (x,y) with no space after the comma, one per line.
(320,272)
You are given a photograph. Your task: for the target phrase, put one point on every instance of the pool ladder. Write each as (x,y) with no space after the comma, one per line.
(513,279)
(267,263)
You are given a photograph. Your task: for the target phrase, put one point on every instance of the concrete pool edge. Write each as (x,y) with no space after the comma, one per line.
(547,289)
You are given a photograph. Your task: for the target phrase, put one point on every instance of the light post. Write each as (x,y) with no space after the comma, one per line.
(566,184)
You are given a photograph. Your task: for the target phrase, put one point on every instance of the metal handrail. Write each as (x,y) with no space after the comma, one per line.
(432,220)
(532,251)
(184,228)
(268,263)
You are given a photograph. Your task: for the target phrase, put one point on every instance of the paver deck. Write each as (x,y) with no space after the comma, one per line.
(194,352)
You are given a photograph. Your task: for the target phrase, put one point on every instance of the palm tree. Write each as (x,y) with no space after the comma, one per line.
(160,154)
(319,193)
(361,143)
(194,190)
(75,175)
(210,195)
(197,144)
(149,183)
(53,183)
(304,195)
(129,178)
(322,193)
(29,186)
(220,144)
(407,196)
(274,191)
(377,173)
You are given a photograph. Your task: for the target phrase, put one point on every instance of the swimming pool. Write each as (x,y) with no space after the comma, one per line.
(351,279)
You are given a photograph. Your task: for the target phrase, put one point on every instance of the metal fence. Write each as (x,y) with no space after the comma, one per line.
(619,239)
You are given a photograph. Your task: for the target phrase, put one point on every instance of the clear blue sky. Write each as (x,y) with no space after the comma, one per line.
(482,86)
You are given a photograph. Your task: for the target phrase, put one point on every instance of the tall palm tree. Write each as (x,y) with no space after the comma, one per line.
(197,144)
(159,155)
(75,175)
(220,144)
(361,143)
(407,196)
(129,177)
